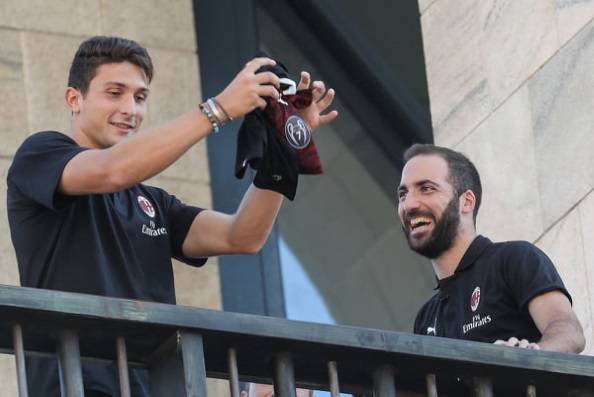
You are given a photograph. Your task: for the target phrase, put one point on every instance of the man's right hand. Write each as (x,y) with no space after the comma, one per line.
(245,92)
(515,342)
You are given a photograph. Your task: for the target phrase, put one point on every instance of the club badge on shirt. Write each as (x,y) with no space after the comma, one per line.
(146,206)
(297,132)
(475,299)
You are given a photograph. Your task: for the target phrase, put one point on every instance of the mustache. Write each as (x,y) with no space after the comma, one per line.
(414,213)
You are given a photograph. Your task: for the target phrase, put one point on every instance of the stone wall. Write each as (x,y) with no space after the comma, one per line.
(511,85)
(39,39)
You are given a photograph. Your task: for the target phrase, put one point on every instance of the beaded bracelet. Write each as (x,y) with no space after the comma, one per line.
(216,124)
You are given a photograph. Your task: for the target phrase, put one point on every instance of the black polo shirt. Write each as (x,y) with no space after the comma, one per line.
(118,244)
(487,296)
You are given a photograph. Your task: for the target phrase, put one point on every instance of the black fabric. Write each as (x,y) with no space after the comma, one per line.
(508,275)
(258,145)
(263,143)
(102,244)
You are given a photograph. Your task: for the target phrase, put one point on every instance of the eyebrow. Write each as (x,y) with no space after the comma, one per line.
(418,183)
(144,90)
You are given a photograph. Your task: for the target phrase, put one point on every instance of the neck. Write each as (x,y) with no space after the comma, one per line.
(445,264)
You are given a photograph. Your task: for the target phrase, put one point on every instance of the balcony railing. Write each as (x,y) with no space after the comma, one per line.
(181,346)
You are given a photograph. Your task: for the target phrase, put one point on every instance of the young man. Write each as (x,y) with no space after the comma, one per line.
(82,221)
(505,293)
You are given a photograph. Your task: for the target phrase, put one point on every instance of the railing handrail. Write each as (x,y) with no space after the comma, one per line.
(146,325)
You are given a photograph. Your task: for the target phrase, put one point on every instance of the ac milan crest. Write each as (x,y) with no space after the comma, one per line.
(475,299)
(146,206)
(297,132)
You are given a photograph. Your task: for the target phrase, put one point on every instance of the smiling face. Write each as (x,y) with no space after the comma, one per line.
(112,108)
(427,206)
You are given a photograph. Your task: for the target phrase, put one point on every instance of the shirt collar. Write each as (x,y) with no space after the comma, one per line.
(474,251)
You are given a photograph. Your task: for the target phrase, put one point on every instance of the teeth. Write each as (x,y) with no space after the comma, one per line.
(416,221)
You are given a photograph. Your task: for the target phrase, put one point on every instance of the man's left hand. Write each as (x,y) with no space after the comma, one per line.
(313,114)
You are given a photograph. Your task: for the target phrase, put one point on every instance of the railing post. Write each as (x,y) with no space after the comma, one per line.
(431,385)
(333,376)
(482,387)
(284,376)
(531,391)
(179,373)
(19,356)
(233,373)
(123,367)
(71,382)
(383,381)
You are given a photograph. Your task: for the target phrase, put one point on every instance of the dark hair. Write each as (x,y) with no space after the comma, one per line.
(100,50)
(462,174)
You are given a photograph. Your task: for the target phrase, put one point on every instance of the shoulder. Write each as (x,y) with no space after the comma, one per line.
(517,250)
(45,137)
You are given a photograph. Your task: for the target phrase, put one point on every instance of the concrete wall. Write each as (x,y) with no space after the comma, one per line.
(39,39)
(511,85)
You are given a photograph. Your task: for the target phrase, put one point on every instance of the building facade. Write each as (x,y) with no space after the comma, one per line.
(509,83)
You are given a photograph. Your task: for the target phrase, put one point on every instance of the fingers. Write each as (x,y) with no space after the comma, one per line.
(515,342)
(267,78)
(267,91)
(257,63)
(327,118)
(318,90)
(304,81)
(326,101)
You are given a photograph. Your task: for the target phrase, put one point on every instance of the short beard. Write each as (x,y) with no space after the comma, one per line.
(443,235)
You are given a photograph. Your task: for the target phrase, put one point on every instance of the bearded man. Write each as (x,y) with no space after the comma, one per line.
(507,293)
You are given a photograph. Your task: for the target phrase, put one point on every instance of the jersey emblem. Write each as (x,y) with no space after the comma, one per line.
(297,132)
(475,299)
(431,331)
(146,206)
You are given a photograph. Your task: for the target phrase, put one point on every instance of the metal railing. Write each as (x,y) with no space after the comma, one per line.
(181,346)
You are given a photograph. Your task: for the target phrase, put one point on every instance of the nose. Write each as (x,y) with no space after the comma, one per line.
(408,203)
(128,105)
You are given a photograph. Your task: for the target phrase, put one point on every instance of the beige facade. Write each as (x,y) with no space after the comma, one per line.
(39,39)
(511,86)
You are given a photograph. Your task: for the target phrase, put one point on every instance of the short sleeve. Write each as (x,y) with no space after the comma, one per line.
(38,165)
(529,272)
(180,217)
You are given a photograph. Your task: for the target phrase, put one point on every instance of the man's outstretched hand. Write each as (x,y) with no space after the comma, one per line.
(313,114)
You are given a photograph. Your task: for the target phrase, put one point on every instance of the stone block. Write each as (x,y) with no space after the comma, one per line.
(8,378)
(502,148)
(71,17)
(586,214)
(477,54)
(151,22)
(561,94)
(47,60)
(572,16)
(9,272)
(198,287)
(424,4)
(565,246)
(13,105)
(175,89)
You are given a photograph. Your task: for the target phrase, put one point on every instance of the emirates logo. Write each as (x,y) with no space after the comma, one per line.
(146,206)
(475,299)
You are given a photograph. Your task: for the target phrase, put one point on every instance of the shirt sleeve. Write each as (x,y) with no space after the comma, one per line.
(38,165)
(529,272)
(180,218)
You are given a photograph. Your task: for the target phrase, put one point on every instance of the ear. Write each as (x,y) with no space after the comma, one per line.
(73,98)
(467,202)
